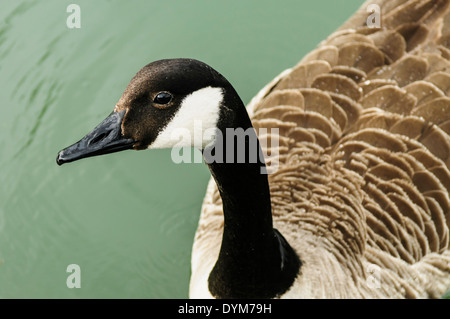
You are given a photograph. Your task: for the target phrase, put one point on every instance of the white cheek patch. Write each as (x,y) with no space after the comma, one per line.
(197,114)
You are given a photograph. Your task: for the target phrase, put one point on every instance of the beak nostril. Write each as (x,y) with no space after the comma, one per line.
(98,138)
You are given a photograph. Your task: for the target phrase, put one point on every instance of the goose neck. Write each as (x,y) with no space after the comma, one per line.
(255,260)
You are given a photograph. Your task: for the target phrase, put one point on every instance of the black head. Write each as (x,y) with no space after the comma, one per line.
(164,96)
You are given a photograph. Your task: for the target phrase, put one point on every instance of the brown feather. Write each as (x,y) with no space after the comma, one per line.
(365,176)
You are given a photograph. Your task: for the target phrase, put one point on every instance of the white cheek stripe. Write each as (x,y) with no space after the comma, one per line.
(198,112)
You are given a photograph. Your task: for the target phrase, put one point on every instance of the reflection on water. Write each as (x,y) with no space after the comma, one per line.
(128,219)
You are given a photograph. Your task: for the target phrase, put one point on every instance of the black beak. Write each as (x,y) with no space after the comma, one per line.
(104,139)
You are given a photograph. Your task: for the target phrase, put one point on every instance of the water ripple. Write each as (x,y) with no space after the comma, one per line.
(49,100)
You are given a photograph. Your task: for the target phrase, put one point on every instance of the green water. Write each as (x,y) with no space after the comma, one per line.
(126,219)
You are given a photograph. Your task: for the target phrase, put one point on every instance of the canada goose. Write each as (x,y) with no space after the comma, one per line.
(358,205)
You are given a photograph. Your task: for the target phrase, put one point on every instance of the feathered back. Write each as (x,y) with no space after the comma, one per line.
(362,187)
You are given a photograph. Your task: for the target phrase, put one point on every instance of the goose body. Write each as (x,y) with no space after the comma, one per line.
(357,136)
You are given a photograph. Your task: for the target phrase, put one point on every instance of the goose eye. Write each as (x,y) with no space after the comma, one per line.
(162,98)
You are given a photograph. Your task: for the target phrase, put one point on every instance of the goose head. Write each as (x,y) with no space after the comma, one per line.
(182,97)
(164,100)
